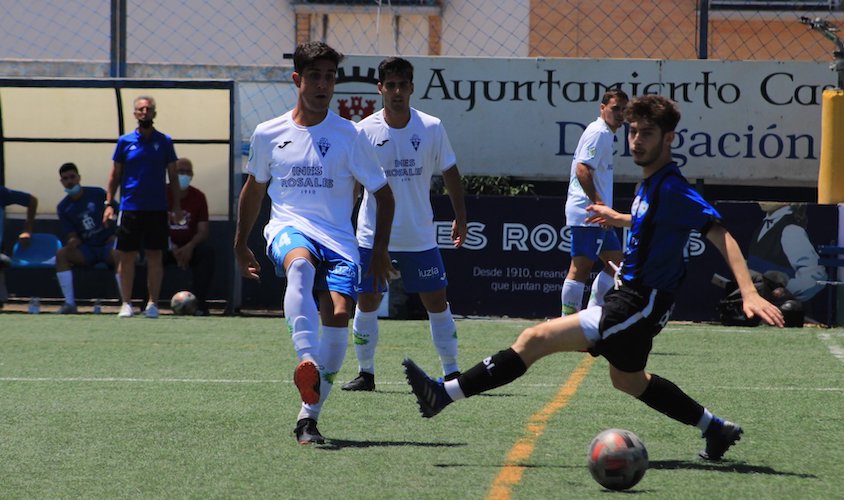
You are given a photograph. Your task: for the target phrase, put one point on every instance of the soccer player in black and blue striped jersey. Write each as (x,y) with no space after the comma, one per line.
(665,211)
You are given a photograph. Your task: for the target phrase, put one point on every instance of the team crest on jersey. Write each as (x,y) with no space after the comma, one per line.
(323,145)
(415,141)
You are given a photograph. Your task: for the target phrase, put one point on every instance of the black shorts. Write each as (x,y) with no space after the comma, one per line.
(137,229)
(630,319)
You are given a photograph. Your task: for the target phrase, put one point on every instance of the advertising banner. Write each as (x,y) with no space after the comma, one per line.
(744,122)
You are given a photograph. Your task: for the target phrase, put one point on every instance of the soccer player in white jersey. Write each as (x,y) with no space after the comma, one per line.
(590,182)
(411,146)
(309,160)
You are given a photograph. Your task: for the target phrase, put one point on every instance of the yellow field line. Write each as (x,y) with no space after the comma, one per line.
(511,472)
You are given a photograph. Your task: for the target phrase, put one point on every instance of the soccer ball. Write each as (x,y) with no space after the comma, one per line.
(183,303)
(617,459)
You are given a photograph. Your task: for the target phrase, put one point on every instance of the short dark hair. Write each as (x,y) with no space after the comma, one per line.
(68,166)
(308,53)
(655,108)
(395,66)
(618,94)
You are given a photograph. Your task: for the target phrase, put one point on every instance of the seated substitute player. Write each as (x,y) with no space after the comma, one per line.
(189,247)
(88,240)
(590,183)
(13,197)
(309,160)
(411,146)
(665,210)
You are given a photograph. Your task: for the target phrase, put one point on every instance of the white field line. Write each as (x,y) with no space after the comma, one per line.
(834,349)
(401,383)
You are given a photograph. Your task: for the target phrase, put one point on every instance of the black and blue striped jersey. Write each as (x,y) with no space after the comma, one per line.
(665,211)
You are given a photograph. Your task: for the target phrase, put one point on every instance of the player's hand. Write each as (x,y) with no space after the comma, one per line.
(108,215)
(381,268)
(754,305)
(25,239)
(183,256)
(604,215)
(246,263)
(458,233)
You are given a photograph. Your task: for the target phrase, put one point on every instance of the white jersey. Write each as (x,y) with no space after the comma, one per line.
(595,149)
(312,173)
(410,156)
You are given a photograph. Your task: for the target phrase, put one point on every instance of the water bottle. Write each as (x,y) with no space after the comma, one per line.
(34,305)
(98,306)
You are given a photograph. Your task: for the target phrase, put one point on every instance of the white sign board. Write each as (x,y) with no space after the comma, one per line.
(750,123)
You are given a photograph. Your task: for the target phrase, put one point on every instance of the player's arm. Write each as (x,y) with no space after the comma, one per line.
(251,196)
(583,172)
(454,188)
(606,216)
(31,208)
(175,192)
(752,303)
(385,205)
(111,189)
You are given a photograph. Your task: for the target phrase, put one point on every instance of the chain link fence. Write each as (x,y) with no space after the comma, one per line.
(257,33)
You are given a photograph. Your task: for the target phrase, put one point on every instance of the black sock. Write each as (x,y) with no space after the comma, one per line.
(665,397)
(494,371)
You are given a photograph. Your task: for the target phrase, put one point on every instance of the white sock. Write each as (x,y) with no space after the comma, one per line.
(704,421)
(452,388)
(66,284)
(300,310)
(600,286)
(572,296)
(444,335)
(332,351)
(365,332)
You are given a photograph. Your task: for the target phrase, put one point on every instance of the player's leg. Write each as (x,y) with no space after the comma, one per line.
(585,246)
(335,285)
(156,237)
(424,273)
(365,327)
(128,244)
(534,343)
(612,256)
(66,258)
(111,258)
(202,270)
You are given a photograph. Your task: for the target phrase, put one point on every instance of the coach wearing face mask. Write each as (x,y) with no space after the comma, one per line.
(189,247)
(143,160)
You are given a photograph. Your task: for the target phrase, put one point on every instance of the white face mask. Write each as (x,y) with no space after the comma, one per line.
(73,190)
(184,181)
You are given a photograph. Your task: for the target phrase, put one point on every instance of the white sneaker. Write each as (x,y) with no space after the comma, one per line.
(126,311)
(151,311)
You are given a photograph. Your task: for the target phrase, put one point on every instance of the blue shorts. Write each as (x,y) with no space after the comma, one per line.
(420,271)
(95,254)
(333,272)
(591,241)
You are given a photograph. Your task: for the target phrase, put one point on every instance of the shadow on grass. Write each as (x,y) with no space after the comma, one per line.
(340,444)
(725,466)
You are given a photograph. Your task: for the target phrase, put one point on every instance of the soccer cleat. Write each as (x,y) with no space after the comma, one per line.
(68,309)
(430,394)
(151,311)
(126,311)
(306,378)
(720,435)
(363,382)
(307,433)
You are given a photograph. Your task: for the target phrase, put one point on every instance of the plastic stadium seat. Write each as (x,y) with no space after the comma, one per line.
(41,251)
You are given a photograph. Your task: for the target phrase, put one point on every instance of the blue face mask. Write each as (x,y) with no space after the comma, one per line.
(74,190)
(184,181)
